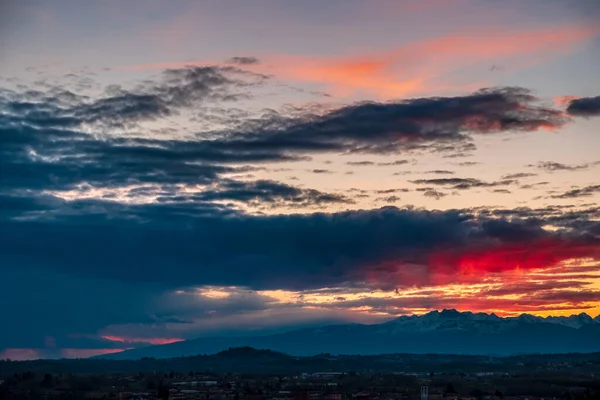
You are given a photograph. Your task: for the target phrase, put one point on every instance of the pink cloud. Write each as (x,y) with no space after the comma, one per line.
(415,68)
(124,339)
(85,353)
(563,101)
(18,354)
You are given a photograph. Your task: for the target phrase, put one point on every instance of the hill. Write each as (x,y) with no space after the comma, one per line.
(256,362)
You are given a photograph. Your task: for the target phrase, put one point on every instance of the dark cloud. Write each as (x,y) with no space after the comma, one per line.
(125,261)
(461,183)
(575,193)
(436,194)
(58,159)
(397,162)
(43,146)
(261,192)
(390,199)
(244,60)
(551,166)
(360,163)
(279,251)
(174,244)
(321,171)
(426,124)
(534,185)
(384,191)
(584,107)
(126,307)
(440,172)
(175,90)
(59,314)
(125,258)
(518,175)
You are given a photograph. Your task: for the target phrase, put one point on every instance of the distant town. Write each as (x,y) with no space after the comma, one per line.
(552,377)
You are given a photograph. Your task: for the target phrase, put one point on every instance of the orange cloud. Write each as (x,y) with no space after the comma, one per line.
(503,291)
(123,339)
(417,67)
(413,68)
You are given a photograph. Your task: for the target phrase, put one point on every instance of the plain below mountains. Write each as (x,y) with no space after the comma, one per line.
(445,332)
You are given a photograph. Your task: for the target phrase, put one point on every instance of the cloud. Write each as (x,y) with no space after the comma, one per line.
(436,194)
(263,192)
(295,251)
(480,300)
(60,159)
(397,162)
(467,163)
(461,183)
(435,124)
(176,89)
(529,288)
(551,166)
(244,60)
(518,175)
(384,191)
(65,305)
(440,172)
(575,193)
(153,340)
(511,255)
(360,163)
(146,221)
(534,185)
(409,69)
(390,199)
(44,145)
(183,273)
(584,107)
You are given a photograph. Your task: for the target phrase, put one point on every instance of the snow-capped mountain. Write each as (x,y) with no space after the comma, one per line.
(574,321)
(444,320)
(455,320)
(447,331)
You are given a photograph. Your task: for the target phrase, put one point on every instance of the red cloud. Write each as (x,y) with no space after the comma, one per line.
(541,259)
(539,254)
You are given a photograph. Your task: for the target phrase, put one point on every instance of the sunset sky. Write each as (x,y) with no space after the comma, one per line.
(173,170)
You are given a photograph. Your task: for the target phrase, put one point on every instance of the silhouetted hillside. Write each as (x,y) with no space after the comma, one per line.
(249,360)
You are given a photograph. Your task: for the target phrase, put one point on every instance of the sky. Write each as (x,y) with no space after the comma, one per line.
(174,170)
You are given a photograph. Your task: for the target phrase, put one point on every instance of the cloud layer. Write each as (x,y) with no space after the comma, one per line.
(169,234)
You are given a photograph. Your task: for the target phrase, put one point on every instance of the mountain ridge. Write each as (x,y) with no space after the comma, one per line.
(446,331)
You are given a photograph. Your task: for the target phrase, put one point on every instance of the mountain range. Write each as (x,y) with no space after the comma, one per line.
(437,332)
